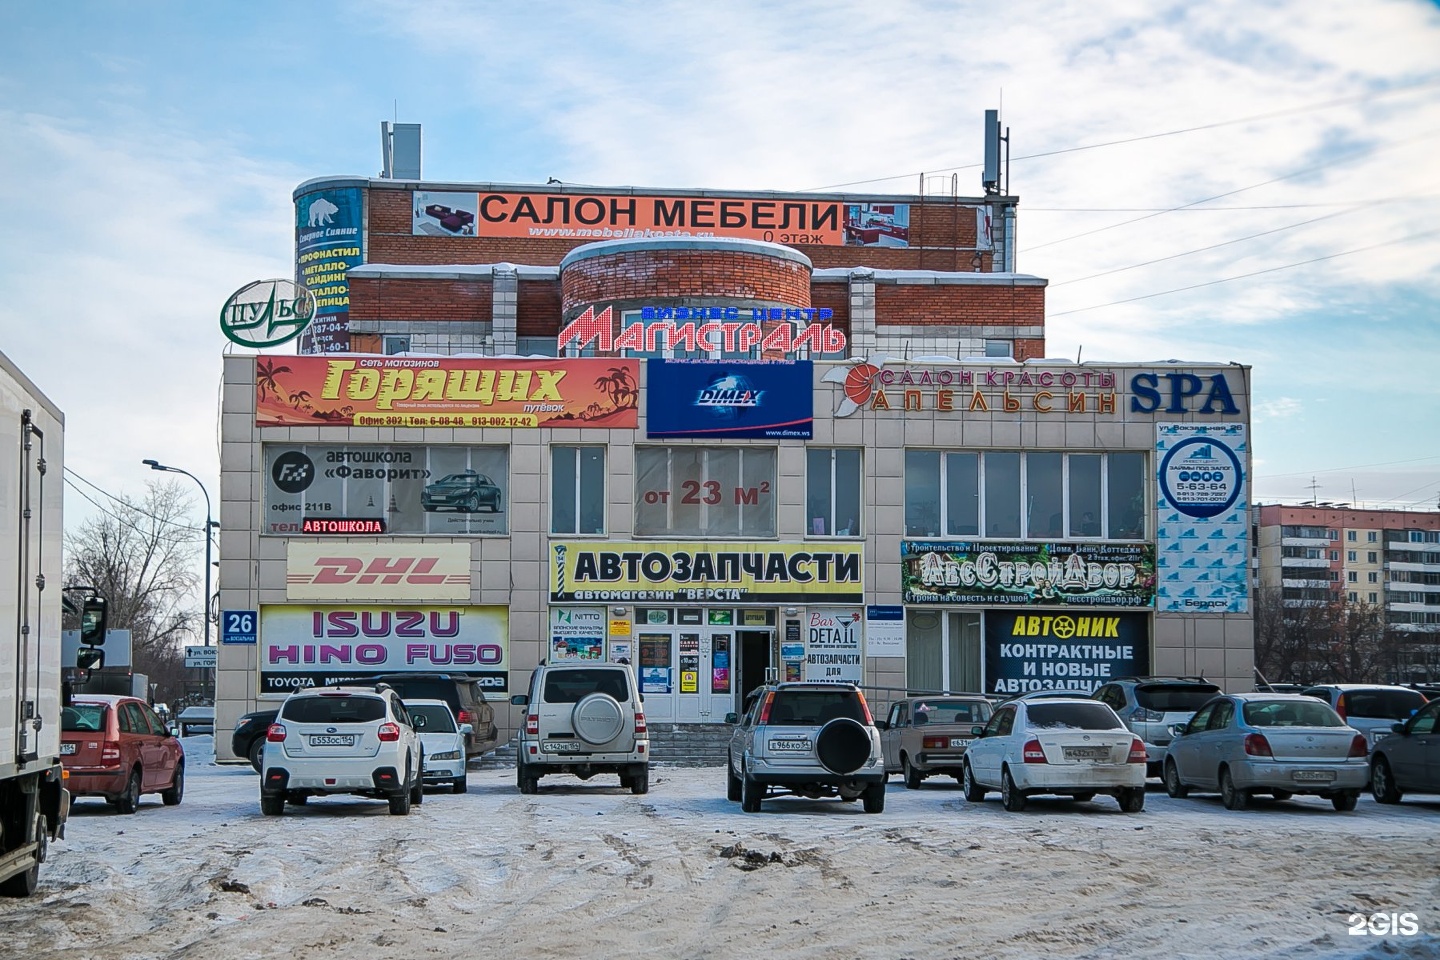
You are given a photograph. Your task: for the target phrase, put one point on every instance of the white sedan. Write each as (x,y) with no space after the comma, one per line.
(444,742)
(1074,748)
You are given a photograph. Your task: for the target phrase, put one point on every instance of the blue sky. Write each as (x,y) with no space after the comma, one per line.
(150,150)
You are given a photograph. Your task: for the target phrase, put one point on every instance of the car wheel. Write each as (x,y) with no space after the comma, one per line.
(1232,798)
(1382,782)
(25,883)
(173,796)
(495,504)
(752,792)
(732,782)
(1132,799)
(1010,796)
(460,784)
(272,804)
(417,789)
(129,799)
(1082,797)
(399,803)
(874,798)
(640,780)
(913,777)
(974,793)
(257,754)
(1346,800)
(1174,789)
(472,503)
(524,779)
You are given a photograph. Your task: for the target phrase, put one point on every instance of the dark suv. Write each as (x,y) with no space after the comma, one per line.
(248,738)
(465,492)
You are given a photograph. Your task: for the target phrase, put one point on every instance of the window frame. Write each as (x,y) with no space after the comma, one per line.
(831,521)
(579,451)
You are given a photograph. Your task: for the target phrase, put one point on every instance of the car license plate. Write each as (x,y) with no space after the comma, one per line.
(332,740)
(1086,753)
(1324,776)
(66,749)
(791,746)
(959,743)
(560,746)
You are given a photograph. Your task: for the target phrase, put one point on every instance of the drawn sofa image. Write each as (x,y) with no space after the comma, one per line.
(462,492)
(452,220)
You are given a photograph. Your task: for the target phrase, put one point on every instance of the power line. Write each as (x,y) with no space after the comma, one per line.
(125,522)
(1358,466)
(1246,276)
(127,504)
(1341,158)
(1213,246)
(1405,88)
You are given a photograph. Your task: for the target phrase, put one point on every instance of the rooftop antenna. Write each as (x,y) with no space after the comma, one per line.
(1353,502)
(1314,486)
(1078,351)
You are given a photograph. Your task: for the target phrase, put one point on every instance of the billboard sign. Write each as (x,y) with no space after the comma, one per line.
(375,391)
(1202,534)
(726,572)
(309,646)
(1028,573)
(267,313)
(833,644)
(731,399)
(397,489)
(328,242)
(1064,651)
(394,571)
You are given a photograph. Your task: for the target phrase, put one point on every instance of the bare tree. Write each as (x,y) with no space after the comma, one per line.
(1362,648)
(1334,641)
(141,556)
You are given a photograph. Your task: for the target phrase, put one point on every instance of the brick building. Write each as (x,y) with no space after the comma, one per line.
(717,434)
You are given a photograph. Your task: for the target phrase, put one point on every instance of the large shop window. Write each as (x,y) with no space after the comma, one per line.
(705,492)
(832,491)
(416,489)
(942,651)
(577,490)
(1037,495)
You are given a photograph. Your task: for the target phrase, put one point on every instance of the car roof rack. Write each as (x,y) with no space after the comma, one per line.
(382,687)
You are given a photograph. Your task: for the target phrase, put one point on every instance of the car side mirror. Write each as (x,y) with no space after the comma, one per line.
(519,700)
(732,718)
(173,730)
(1178,730)
(466,729)
(977,731)
(418,721)
(1399,728)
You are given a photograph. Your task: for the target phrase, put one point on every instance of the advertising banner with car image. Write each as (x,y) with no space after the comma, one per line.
(1203,529)
(372,391)
(1063,651)
(405,489)
(304,646)
(1029,573)
(734,399)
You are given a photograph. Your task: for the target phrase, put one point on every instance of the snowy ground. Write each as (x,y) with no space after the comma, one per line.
(586,870)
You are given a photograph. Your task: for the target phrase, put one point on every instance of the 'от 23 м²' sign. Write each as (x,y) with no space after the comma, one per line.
(1079,651)
(446,392)
(309,646)
(697,398)
(701,572)
(1043,574)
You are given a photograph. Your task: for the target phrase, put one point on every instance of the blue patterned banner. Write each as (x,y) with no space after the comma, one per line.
(1202,560)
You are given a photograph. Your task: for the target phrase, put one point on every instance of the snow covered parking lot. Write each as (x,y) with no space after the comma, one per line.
(588,870)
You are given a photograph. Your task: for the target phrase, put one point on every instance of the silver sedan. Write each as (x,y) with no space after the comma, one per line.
(1280,744)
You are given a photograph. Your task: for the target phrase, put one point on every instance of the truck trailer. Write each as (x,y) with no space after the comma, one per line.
(34,803)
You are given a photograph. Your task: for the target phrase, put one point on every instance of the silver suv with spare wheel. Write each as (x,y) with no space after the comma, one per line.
(808,740)
(583,719)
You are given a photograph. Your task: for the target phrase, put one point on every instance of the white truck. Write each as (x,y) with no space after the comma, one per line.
(33,800)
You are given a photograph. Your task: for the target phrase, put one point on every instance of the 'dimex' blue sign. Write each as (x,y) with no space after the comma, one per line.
(702,398)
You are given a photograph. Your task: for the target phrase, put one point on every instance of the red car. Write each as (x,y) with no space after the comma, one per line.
(117,748)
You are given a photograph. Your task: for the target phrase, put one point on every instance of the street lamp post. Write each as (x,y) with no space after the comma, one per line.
(209,523)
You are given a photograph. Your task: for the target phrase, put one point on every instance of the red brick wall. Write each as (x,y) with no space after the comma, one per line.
(538,308)
(670,274)
(416,299)
(836,296)
(956,304)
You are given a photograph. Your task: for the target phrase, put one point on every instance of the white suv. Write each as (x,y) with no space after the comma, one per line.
(583,719)
(353,740)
